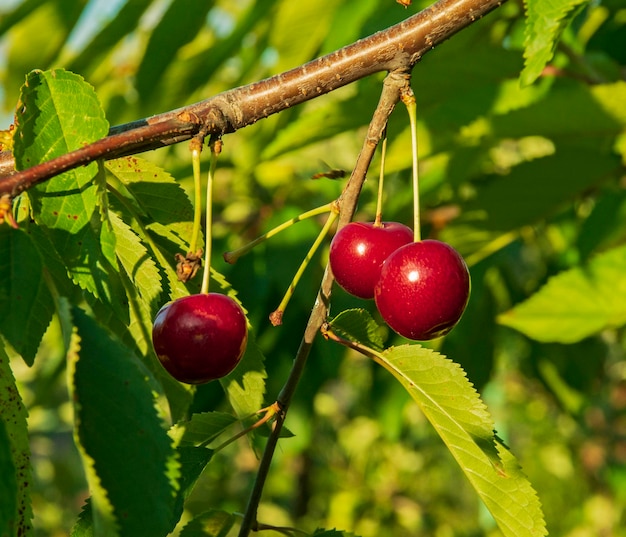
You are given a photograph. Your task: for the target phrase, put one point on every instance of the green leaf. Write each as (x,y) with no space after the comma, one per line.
(60,112)
(211,523)
(358,325)
(245,386)
(193,461)
(124,22)
(8,485)
(157,208)
(300,40)
(36,40)
(577,303)
(178,26)
(600,115)
(454,408)
(530,192)
(15,469)
(544,23)
(140,268)
(190,73)
(84,524)
(201,428)
(26,305)
(132,494)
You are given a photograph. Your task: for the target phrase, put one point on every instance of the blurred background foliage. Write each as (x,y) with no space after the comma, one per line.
(524,181)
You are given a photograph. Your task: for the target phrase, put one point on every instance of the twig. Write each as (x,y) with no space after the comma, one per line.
(399,47)
(394,82)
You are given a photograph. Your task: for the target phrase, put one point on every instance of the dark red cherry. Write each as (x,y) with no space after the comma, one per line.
(201,337)
(423,289)
(358,250)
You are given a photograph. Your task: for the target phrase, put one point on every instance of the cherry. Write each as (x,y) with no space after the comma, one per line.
(200,337)
(423,289)
(358,250)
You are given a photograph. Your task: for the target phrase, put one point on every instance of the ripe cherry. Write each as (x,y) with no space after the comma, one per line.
(423,289)
(358,250)
(201,337)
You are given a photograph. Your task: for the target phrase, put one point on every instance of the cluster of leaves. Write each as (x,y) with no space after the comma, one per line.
(92,259)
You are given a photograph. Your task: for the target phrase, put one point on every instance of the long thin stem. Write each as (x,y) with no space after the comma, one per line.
(215,151)
(197,192)
(231,257)
(277,315)
(394,82)
(408,98)
(381,181)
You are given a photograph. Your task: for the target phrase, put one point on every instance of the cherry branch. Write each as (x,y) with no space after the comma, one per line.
(399,47)
(394,84)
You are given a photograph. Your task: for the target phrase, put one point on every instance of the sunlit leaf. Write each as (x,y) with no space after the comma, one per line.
(453,407)
(576,303)
(48,125)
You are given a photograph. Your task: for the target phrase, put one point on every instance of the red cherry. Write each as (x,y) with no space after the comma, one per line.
(199,338)
(358,250)
(423,289)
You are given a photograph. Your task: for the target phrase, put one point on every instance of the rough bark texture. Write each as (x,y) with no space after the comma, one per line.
(397,48)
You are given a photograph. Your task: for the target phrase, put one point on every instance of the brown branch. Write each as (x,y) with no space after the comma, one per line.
(399,47)
(394,84)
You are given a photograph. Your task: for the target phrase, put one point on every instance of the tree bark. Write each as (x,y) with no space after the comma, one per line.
(397,48)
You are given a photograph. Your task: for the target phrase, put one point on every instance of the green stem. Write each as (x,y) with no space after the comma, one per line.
(197,192)
(277,315)
(269,411)
(215,151)
(231,257)
(408,98)
(379,202)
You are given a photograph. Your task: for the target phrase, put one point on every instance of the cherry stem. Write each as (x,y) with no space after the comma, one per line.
(276,316)
(408,98)
(196,148)
(216,149)
(231,257)
(381,179)
(268,413)
(392,86)
(285,530)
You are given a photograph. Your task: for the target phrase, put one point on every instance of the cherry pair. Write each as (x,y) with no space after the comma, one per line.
(421,287)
